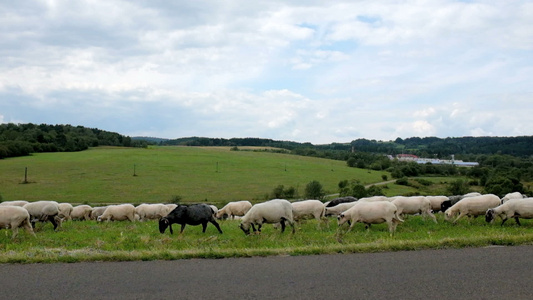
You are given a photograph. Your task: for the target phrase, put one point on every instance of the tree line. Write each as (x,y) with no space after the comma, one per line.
(24,139)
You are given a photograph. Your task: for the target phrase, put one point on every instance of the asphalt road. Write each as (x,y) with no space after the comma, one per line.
(474,273)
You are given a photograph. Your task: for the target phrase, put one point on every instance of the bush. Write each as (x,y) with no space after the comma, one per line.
(402,181)
(280,192)
(314,190)
(458,187)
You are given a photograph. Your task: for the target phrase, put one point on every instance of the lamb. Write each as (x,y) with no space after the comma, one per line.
(515,195)
(120,212)
(271,212)
(414,205)
(151,211)
(65,209)
(20,203)
(195,214)
(96,212)
(514,208)
(81,212)
(306,208)
(232,209)
(472,206)
(376,212)
(339,208)
(436,202)
(43,211)
(14,217)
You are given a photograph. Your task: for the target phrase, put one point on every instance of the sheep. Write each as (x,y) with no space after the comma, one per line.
(194,214)
(14,217)
(120,212)
(96,212)
(513,208)
(472,206)
(81,212)
(376,212)
(20,203)
(151,211)
(232,209)
(509,196)
(339,208)
(454,199)
(270,212)
(215,209)
(65,209)
(414,205)
(44,211)
(436,202)
(306,208)
(340,200)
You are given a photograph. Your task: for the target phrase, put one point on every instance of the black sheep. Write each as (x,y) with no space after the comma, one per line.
(340,200)
(195,214)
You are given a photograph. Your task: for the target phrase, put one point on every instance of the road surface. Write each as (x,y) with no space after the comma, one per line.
(472,273)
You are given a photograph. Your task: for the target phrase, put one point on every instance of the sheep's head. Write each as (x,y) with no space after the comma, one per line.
(341,219)
(163,224)
(245,227)
(489,215)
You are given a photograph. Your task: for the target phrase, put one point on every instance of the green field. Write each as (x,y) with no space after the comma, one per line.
(214,175)
(196,174)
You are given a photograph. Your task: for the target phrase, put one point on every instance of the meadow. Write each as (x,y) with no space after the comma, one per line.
(208,175)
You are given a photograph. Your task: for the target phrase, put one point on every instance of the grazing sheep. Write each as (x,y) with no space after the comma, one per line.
(513,208)
(308,208)
(414,205)
(472,206)
(81,212)
(151,211)
(65,209)
(14,217)
(337,209)
(232,209)
(340,200)
(515,195)
(436,202)
(270,212)
(43,211)
(96,212)
(120,212)
(215,209)
(454,199)
(195,214)
(20,203)
(376,212)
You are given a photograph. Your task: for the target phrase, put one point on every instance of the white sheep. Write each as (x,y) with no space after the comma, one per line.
(414,205)
(308,208)
(81,212)
(513,208)
(151,211)
(119,212)
(436,202)
(20,203)
(43,211)
(373,212)
(472,206)
(509,196)
(235,208)
(14,217)
(96,212)
(271,212)
(65,209)
(339,208)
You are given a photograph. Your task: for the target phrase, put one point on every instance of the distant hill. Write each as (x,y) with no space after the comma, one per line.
(149,139)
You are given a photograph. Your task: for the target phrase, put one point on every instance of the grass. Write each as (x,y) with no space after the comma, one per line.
(197,174)
(122,241)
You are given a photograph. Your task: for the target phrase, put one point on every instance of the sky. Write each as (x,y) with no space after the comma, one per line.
(305,71)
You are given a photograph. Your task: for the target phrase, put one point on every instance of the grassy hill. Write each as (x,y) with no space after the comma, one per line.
(197,174)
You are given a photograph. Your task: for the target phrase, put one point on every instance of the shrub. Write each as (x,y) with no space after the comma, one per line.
(314,190)
(402,181)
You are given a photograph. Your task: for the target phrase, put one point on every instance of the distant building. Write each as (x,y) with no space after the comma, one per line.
(434,161)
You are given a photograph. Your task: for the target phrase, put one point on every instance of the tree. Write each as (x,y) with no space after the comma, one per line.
(458,187)
(314,190)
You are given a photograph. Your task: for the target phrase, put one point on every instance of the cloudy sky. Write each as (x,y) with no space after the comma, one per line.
(306,71)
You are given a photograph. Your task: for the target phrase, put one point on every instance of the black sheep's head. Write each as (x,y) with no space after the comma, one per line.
(489,215)
(245,229)
(163,224)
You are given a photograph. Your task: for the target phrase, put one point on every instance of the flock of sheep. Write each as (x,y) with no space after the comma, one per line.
(371,210)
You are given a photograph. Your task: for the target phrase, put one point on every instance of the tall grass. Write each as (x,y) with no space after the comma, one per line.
(118,241)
